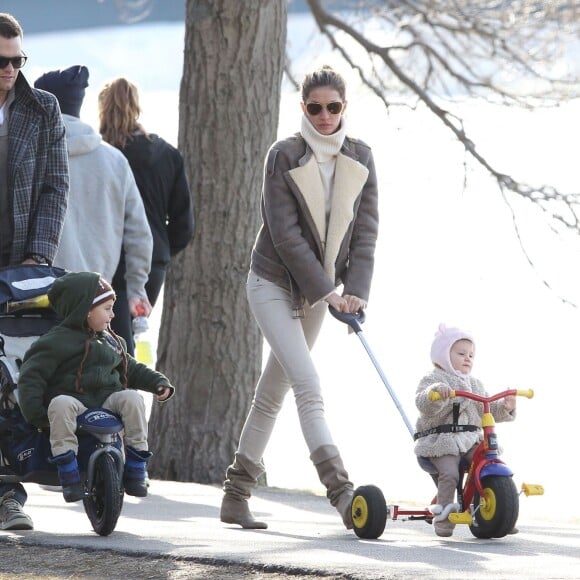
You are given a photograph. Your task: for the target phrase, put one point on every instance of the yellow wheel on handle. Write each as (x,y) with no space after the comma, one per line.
(360,511)
(369,512)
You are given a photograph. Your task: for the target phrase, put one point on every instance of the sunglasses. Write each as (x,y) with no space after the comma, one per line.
(333,108)
(15,61)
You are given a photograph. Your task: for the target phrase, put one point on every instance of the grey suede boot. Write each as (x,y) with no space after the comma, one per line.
(241,478)
(333,475)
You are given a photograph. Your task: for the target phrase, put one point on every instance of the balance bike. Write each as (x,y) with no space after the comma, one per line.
(103,477)
(100,460)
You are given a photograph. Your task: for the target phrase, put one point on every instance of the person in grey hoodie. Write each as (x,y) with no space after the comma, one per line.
(105,214)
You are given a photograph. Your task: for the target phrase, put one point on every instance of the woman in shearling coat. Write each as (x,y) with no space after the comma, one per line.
(452,354)
(320,222)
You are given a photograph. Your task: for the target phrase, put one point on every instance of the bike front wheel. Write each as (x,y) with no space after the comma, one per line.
(496,512)
(105,497)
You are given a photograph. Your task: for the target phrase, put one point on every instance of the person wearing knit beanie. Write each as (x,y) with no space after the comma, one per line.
(445,338)
(68,86)
(452,353)
(81,364)
(102,186)
(104,292)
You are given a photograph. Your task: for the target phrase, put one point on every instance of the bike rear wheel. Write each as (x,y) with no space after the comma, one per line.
(105,498)
(498,509)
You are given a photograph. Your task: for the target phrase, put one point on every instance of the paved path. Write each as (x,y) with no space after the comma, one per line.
(305,534)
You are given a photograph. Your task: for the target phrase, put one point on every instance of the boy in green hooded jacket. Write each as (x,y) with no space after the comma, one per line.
(78,364)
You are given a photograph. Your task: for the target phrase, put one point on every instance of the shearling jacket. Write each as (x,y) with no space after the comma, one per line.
(295,247)
(435,413)
(37,172)
(70,359)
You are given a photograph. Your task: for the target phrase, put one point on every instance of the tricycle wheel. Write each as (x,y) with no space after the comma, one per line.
(369,512)
(105,498)
(498,508)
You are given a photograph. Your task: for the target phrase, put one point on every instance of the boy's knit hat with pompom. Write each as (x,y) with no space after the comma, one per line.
(445,338)
(104,292)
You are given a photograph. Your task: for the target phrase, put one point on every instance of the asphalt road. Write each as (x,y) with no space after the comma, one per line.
(178,524)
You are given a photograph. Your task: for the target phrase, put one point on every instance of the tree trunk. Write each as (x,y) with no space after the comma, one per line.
(209,344)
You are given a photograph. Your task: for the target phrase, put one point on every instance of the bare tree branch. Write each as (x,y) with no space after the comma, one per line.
(132,11)
(467,45)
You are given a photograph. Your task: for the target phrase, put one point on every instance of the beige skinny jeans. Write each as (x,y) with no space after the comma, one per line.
(289,366)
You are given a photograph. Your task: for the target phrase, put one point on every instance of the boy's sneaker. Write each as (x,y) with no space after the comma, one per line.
(12,516)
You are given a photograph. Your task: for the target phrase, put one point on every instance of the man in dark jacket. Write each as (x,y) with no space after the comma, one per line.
(33,191)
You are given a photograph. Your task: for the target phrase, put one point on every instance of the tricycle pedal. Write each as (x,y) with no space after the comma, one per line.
(461,518)
(532,489)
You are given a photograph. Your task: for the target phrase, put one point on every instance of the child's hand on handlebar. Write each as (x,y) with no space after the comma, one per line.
(509,403)
(443,390)
(163,393)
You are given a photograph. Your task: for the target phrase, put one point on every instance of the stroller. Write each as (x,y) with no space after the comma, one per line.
(25,314)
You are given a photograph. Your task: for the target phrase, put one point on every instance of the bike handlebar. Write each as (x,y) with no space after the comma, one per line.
(528,393)
(353,320)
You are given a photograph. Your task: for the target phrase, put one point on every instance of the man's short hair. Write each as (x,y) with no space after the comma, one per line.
(9,26)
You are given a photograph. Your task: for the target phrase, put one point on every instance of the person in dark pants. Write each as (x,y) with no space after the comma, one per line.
(34,184)
(159,172)
(102,186)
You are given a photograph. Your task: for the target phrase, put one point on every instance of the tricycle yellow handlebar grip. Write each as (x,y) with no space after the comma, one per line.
(529,393)
(435,396)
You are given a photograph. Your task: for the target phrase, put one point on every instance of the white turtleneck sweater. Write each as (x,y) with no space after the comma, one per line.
(325,149)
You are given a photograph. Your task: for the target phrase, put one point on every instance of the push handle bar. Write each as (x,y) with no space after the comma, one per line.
(353,320)
(528,393)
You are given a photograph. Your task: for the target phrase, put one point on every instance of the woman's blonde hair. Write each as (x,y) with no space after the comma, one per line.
(118,112)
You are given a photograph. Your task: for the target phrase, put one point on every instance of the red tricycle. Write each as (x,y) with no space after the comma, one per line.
(487,498)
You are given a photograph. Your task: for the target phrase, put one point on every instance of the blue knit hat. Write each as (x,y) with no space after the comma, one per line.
(68,86)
